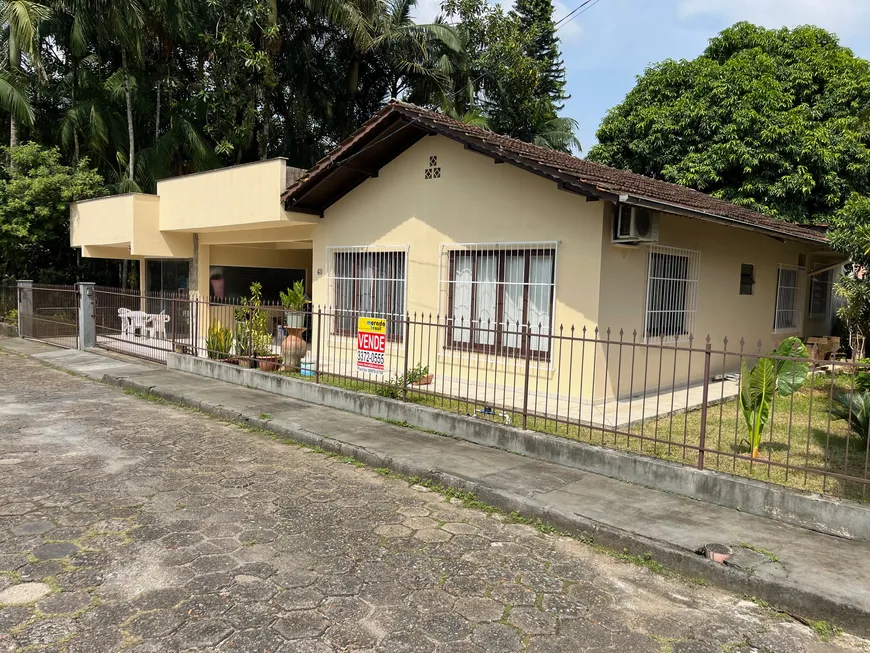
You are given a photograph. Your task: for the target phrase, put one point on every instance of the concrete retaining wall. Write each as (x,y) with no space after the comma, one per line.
(842,518)
(8,330)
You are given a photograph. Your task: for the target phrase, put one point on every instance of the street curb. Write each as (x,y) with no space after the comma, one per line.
(783,597)
(803,509)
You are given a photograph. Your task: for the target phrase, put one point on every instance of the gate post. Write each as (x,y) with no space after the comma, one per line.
(87,332)
(25,309)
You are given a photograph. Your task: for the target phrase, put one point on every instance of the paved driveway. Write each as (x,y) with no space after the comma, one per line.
(130,525)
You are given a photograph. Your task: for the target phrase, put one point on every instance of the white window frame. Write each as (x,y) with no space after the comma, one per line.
(334,279)
(781,307)
(664,296)
(816,280)
(540,357)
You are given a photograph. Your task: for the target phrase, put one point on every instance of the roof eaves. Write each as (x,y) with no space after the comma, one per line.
(327,163)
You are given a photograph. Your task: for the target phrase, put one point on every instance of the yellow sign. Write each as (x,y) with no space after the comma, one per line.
(372,325)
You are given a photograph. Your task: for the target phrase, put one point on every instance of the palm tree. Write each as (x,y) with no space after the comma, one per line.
(122,28)
(408,48)
(21,18)
(558,134)
(384,30)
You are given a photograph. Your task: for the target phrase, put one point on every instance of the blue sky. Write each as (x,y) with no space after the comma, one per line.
(612,42)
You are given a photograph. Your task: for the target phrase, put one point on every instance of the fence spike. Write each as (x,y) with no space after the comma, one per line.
(759,345)
(620,334)
(724,342)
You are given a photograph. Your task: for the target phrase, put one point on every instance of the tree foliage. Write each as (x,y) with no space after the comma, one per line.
(507,76)
(769,119)
(148,89)
(35,193)
(849,230)
(152,88)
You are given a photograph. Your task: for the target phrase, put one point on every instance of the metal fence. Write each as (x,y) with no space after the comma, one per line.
(52,316)
(674,398)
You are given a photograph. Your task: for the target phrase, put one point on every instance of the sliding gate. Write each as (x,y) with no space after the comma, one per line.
(53,317)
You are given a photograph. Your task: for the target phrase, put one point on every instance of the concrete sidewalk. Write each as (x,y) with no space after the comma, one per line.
(804,572)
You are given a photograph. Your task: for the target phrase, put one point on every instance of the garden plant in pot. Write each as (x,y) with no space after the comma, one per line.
(294,348)
(253,340)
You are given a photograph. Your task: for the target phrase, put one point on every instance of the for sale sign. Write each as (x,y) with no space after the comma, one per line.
(371,344)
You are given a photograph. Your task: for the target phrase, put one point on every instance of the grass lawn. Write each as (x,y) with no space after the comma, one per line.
(799,433)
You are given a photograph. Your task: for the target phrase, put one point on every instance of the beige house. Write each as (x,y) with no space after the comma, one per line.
(501,247)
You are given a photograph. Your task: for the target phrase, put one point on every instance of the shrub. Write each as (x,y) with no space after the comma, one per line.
(855,409)
(219,341)
(770,376)
(862,379)
(392,389)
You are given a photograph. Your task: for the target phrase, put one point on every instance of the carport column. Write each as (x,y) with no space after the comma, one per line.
(200,291)
(143,285)
(25,308)
(87,328)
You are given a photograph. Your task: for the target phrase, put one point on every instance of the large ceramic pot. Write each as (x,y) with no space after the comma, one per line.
(293,348)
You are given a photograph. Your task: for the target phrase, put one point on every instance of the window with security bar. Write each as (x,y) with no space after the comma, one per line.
(671,293)
(366,282)
(787,314)
(820,294)
(495,291)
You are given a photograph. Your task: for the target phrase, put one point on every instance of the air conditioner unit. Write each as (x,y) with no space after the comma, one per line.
(635,224)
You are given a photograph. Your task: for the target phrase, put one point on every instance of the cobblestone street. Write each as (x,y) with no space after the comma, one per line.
(132,525)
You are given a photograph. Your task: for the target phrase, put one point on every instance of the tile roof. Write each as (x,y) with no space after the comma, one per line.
(594,177)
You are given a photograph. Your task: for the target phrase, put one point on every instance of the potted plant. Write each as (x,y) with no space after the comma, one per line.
(294,301)
(253,339)
(294,347)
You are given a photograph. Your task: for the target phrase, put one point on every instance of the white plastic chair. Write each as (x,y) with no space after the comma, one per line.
(124,314)
(138,320)
(157,325)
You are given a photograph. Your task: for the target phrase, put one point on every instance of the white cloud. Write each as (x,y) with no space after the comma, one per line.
(844,17)
(426,10)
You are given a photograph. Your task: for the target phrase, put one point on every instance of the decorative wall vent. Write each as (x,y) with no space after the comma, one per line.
(433,171)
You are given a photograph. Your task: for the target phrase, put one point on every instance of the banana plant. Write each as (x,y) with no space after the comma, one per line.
(769,377)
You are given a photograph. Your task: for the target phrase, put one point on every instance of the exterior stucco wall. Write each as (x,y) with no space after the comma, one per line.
(148,240)
(253,257)
(244,195)
(474,201)
(721,310)
(129,220)
(103,221)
